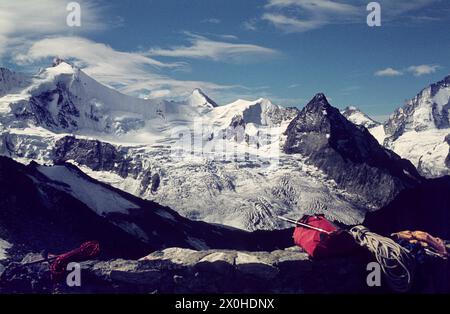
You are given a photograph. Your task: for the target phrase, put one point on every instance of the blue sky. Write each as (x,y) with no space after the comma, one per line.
(284,50)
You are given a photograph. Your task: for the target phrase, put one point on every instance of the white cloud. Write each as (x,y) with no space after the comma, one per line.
(229,37)
(87,51)
(131,72)
(159,93)
(419,70)
(21,21)
(416,70)
(389,72)
(305,15)
(31,32)
(203,48)
(314,5)
(289,24)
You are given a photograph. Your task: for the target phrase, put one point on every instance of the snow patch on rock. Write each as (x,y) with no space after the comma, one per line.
(94,196)
(4,246)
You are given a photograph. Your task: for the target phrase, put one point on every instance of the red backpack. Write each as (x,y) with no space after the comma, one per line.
(332,241)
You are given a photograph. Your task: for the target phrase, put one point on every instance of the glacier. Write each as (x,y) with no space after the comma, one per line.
(222,164)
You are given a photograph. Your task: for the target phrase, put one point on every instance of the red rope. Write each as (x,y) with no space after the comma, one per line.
(86,251)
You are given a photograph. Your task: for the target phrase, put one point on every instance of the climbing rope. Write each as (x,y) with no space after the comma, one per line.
(86,251)
(396,262)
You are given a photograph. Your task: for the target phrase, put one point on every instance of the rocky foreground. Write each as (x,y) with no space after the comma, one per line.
(177,270)
(213,258)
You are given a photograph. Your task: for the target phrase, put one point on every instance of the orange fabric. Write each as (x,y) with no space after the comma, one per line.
(425,239)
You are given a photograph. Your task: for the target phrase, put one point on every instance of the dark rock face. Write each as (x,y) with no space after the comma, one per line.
(349,154)
(440,116)
(425,207)
(278,115)
(36,216)
(16,278)
(395,126)
(236,130)
(10,80)
(97,155)
(237,121)
(155,182)
(102,156)
(208,101)
(38,109)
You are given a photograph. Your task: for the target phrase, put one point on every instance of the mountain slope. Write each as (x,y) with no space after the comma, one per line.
(347,153)
(10,81)
(58,207)
(426,111)
(358,117)
(418,130)
(220,164)
(234,161)
(199,99)
(63,98)
(424,207)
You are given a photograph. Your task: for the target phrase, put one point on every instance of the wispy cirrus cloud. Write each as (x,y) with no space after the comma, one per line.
(305,15)
(314,5)
(32,32)
(201,47)
(229,37)
(88,52)
(130,72)
(290,24)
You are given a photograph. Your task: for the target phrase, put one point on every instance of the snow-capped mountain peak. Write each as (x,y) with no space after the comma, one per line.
(319,101)
(417,130)
(57,61)
(316,115)
(225,174)
(428,110)
(63,98)
(337,146)
(353,114)
(200,100)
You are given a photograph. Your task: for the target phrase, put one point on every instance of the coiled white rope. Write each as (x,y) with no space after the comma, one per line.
(396,262)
